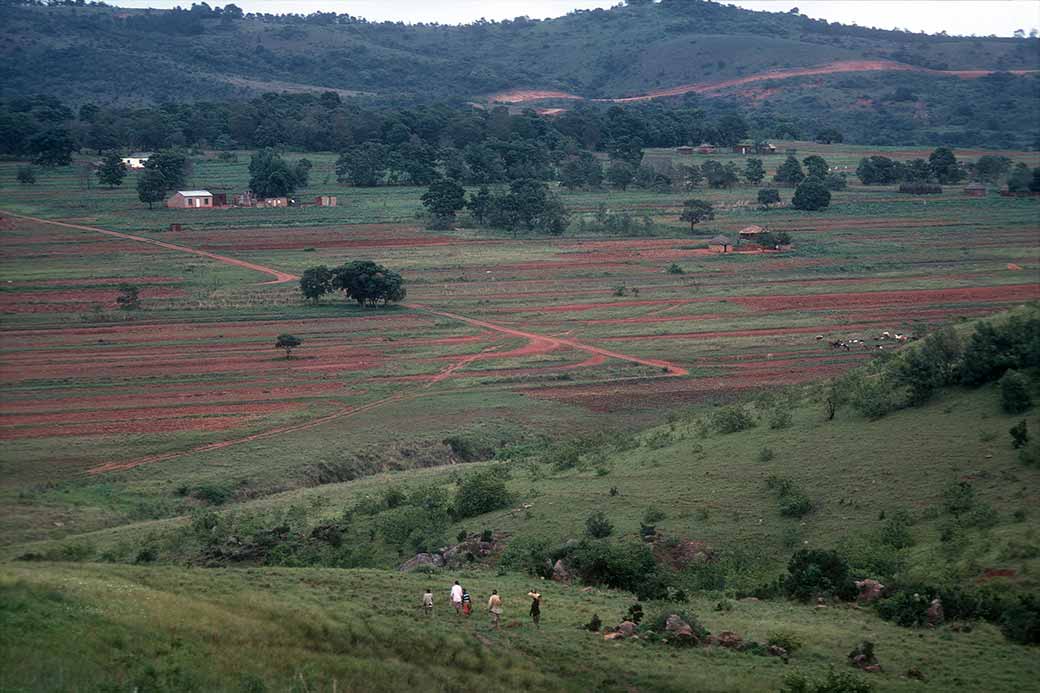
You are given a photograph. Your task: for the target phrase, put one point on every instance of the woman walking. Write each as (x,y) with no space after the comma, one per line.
(536,607)
(495,607)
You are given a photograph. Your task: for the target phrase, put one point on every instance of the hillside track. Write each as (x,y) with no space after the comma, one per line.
(537,343)
(838,67)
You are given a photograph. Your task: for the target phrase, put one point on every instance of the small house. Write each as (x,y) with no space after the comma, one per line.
(137,160)
(744,147)
(975,189)
(191,199)
(720,244)
(325,200)
(706,148)
(751,233)
(766,148)
(220,199)
(684,151)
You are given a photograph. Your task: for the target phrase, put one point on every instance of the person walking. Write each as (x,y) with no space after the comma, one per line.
(495,607)
(456,598)
(427,602)
(467,605)
(536,607)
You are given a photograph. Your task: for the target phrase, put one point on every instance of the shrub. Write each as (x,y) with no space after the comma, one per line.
(834,682)
(675,269)
(621,566)
(1021,620)
(658,626)
(958,498)
(905,609)
(814,572)
(766,454)
(529,555)
(785,639)
(795,504)
(1019,434)
(811,195)
(653,515)
(768,196)
(213,494)
(598,526)
(836,181)
(920,188)
(487,536)
(1014,393)
(26,175)
(780,418)
(732,418)
(481,492)
(896,530)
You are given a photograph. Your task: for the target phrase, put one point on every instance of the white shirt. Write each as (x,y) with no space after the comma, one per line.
(456,593)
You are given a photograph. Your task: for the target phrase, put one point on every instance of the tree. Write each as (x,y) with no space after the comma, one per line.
(271,176)
(836,181)
(718,175)
(816,166)
(171,165)
(53,147)
(151,186)
(480,492)
(790,171)
(944,166)
(368,283)
(26,175)
(363,166)
(444,198)
(696,211)
(829,136)
(581,171)
(1020,178)
(598,526)
(287,342)
(811,195)
(1014,393)
(690,175)
(768,196)
(316,282)
(754,171)
(879,170)
(112,171)
(620,174)
(129,296)
(479,204)
(990,168)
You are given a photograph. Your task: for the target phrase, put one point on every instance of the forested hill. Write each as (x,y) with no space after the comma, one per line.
(116,55)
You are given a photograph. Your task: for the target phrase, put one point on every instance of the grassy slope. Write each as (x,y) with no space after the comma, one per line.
(82,627)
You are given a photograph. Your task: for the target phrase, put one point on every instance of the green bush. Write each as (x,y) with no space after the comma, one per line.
(653,515)
(785,639)
(1021,620)
(621,566)
(1014,393)
(1019,434)
(213,494)
(895,532)
(598,526)
(732,419)
(780,418)
(834,682)
(766,454)
(813,572)
(958,498)
(481,492)
(529,555)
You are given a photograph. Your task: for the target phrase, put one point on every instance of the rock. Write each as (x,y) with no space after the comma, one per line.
(730,639)
(872,668)
(613,636)
(777,651)
(431,560)
(750,600)
(869,590)
(863,657)
(935,613)
(627,629)
(560,573)
(680,629)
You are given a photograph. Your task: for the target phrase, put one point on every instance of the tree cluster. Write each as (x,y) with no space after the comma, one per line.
(363,281)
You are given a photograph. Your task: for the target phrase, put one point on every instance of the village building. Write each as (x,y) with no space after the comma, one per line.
(684,150)
(744,147)
(325,200)
(137,160)
(706,148)
(191,199)
(720,244)
(975,189)
(750,234)
(272,202)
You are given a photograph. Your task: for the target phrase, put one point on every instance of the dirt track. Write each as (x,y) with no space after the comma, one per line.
(540,341)
(527,96)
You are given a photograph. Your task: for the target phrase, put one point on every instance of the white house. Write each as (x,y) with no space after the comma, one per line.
(137,160)
(191,199)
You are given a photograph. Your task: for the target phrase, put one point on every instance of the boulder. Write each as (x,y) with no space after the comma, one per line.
(680,629)
(935,613)
(613,636)
(431,560)
(863,657)
(777,651)
(869,590)
(730,639)
(560,573)
(627,629)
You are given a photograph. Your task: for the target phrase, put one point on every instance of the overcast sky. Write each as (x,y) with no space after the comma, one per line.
(965,17)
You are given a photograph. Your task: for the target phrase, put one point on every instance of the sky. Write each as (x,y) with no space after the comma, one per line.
(962,17)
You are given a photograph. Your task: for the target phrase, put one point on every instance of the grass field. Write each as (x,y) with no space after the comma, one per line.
(117,426)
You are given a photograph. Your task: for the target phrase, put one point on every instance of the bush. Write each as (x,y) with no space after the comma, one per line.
(768,196)
(598,526)
(621,566)
(766,454)
(1021,620)
(213,494)
(896,530)
(907,609)
(920,188)
(792,500)
(834,682)
(675,269)
(481,492)
(732,418)
(836,181)
(1019,434)
(813,572)
(780,418)
(653,515)
(785,639)
(959,498)
(1014,393)
(811,195)
(26,175)
(529,555)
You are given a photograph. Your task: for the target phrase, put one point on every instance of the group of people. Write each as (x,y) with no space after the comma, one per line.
(463,604)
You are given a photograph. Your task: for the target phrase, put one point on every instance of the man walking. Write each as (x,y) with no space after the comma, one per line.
(495,607)
(456,598)
(427,602)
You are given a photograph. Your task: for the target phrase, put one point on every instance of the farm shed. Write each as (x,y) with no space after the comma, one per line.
(975,190)
(191,199)
(751,233)
(325,200)
(684,151)
(720,244)
(273,202)
(137,160)
(706,148)
(744,147)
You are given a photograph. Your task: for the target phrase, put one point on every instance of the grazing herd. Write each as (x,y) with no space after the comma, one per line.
(849,344)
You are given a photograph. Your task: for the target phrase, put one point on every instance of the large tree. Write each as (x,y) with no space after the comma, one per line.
(151,186)
(112,171)
(815,166)
(316,282)
(364,165)
(944,166)
(754,171)
(171,165)
(368,283)
(272,176)
(53,147)
(789,172)
(444,198)
(720,176)
(696,211)
(811,195)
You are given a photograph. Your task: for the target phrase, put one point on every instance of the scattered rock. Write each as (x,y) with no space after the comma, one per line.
(777,651)
(627,629)
(680,630)
(613,636)
(863,657)
(560,573)
(431,560)
(869,590)
(730,639)
(935,613)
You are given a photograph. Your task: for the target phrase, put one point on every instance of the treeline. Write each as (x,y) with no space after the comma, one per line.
(943,167)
